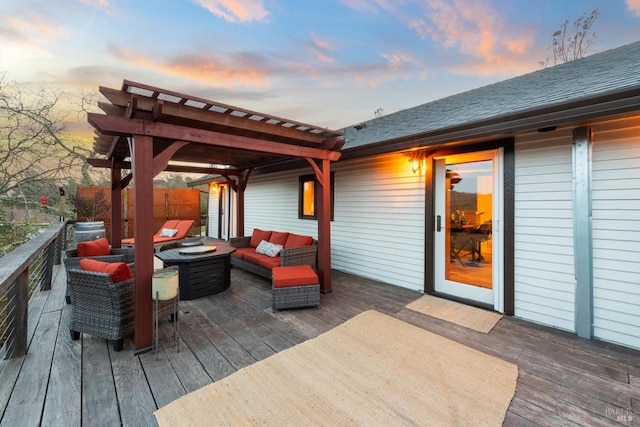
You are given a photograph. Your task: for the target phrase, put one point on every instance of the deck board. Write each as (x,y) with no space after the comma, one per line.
(563,380)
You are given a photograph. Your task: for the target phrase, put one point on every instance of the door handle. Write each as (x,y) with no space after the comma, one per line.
(438,223)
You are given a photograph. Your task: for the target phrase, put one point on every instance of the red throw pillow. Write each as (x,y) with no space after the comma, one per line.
(98,247)
(296,241)
(258,236)
(278,238)
(119,271)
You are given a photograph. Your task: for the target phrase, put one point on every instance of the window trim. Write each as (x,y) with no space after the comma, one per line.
(312,178)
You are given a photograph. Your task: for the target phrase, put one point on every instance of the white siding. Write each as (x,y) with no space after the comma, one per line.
(616,234)
(271,203)
(544,288)
(378,227)
(379,221)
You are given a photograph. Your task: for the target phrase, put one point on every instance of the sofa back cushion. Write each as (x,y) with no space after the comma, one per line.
(278,238)
(98,247)
(258,236)
(296,241)
(119,271)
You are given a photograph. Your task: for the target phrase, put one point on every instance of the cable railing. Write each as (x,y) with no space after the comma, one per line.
(24,271)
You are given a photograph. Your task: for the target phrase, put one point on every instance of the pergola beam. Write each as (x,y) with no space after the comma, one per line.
(110,125)
(125,165)
(122,99)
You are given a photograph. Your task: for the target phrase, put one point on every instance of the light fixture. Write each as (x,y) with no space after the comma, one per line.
(415,164)
(416,160)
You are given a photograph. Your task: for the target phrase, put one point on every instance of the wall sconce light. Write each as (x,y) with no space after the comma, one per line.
(416,161)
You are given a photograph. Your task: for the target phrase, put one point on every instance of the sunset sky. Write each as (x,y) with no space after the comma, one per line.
(330,63)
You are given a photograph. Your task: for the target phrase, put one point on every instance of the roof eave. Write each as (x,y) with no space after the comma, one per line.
(559,114)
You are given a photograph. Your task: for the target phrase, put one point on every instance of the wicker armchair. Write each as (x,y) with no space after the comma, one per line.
(72,260)
(103,308)
(100,307)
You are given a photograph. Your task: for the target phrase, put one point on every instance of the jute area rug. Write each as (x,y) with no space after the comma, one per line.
(464,315)
(372,370)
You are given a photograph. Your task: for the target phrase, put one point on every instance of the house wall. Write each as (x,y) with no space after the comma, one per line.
(544,278)
(378,227)
(378,231)
(616,232)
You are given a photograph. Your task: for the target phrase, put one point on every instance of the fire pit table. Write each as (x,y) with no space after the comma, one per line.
(203,269)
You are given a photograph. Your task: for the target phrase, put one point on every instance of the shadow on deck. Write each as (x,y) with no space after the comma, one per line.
(563,380)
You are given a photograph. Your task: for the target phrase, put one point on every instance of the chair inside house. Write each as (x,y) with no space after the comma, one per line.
(102,301)
(174,230)
(469,243)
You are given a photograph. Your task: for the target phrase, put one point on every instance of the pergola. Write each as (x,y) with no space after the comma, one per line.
(148,130)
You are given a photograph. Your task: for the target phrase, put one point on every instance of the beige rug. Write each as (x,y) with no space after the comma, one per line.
(372,370)
(464,315)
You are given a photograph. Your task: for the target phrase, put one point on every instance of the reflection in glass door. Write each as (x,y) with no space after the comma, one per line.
(465,212)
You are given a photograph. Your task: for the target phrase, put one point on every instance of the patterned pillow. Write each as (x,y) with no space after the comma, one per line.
(268,249)
(168,232)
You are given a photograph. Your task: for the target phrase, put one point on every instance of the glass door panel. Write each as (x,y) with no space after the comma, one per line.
(464,192)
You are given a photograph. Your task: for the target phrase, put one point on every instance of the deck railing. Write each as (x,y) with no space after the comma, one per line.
(24,271)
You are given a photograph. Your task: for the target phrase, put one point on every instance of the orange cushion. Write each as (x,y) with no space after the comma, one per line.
(119,271)
(240,252)
(269,262)
(296,241)
(183,228)
(278,238)
(172,223)
(98,247)
(254,257)
(258,236)
(293,275)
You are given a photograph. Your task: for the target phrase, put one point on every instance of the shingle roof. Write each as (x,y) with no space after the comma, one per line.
(615,70)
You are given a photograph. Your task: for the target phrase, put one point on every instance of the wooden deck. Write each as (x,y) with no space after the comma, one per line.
(563,380)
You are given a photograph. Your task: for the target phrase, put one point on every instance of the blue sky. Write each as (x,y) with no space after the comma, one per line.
(330,63)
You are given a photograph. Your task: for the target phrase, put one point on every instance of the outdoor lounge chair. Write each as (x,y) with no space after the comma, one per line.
(103,307)
(72,260)
(172,231)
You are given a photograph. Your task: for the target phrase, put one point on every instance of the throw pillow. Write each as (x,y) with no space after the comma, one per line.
(296,241)
(258,236)
(119,271)
(268,249)
(278,238)
(98,247)
(168,232)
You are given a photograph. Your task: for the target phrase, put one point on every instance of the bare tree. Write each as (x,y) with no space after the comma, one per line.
(569,44)
(33,145)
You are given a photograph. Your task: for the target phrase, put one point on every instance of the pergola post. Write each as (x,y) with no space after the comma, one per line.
(142,169)
(323,177)
(116,207)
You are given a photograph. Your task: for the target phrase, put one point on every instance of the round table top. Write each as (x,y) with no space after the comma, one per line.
(197,249)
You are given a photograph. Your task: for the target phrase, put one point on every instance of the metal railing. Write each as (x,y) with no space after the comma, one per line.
(24,271)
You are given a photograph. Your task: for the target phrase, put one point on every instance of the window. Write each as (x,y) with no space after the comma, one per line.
(308,194)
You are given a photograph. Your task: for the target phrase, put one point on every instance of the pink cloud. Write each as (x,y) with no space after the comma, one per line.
(474,29)
(321,49)
(237,70)
(236,10)
(634,7)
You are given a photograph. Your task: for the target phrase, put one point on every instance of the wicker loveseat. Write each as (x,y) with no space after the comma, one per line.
(296,250)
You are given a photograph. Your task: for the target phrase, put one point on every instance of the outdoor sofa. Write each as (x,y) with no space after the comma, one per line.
(290,249)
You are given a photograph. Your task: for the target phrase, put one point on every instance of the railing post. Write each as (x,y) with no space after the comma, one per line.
(50,252)
(17,319)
